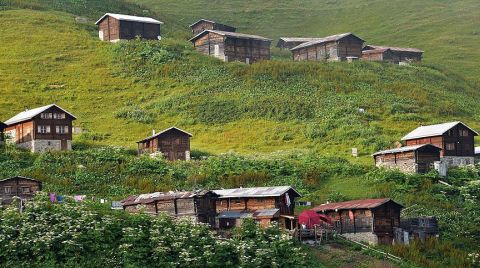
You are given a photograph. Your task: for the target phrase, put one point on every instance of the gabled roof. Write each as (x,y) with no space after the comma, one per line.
(354,204)
(254,192)
(129,18)
(298,39)
(407,149)
(399,49)
(164,131)
(161,196)
(20,177)
(210,21)
(434,130)
(29,114)
(326,39)
(231,34)
(373,51)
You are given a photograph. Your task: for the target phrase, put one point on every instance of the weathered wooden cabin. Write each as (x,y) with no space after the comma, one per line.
(21,187)
(291,42)
(173,143)
(230,46)
(204,24)
(340,47)
(454,138)
(47,128)
(370,220)
(199,206)
(409,159)
(419,228)
(264,204)
(115,27)
(394,55)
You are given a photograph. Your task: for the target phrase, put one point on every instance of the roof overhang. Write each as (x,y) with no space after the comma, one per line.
(129,18)
(163,132)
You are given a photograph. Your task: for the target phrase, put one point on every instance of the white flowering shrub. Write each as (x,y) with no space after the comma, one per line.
(89,235)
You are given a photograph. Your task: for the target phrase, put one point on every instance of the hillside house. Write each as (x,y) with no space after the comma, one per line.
(198,206)
(21,187)
(173,143)
(230,46)
(115,27)
(454,138)
(47,128)
(291,42)
(370,220)
(264,204)
(340,47)
(204,24)
(394,55)
(409,159)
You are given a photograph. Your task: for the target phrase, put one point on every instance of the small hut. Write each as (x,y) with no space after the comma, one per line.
(115,27)
(410,159)
(21,187)
(391,54)
(173,143)
(203,24)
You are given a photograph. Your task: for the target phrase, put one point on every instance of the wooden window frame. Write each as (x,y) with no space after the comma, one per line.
(9,189)
(450,146)
(26,190)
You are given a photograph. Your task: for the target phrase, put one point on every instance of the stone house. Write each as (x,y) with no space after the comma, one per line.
(409,159)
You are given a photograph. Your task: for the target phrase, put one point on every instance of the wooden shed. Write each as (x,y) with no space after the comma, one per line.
(264,204)
(410,159)
(340,47)
(115,27)
(291,42)
(21,187)
(173,143)
(394,55)
(230,46)
(199,206)
(47,128)
(204,24)
(369,220)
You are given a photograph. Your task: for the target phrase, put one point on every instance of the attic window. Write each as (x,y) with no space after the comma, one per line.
(46,115)
(463,133)
(59,115)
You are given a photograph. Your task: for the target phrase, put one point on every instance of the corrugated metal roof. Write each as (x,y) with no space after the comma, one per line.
(267,213)
(405,149)
(433,130)
(254,192)
(200,20)
(373,51)
(354,204)
(232,34)
(299,39)
(330,38)
(29,114)
(163,131)
(160,196)
(234,215)
(400,49)
(129,18)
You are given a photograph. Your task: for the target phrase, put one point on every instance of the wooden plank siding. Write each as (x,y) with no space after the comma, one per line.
(337,50)
(173,144)
(21,187)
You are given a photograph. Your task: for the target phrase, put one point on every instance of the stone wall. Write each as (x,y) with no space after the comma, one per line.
(407,167)
(40,146)
(367,237)
(447,162)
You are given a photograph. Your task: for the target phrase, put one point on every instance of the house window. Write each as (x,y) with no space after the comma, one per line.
(59,116)
(62,129)
(237,201)
(450,146)
(25,190)
(43,129)
(46,115)
(8,189)
(463,133)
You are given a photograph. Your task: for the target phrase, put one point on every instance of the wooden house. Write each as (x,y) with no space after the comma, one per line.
(231,46)
(47,128)
(264,204)
(173,143)
(198,206)
(115,27)
(204,24)
(394,55)
(21,187)
(410,159)
(370,220)
(454,138)
(340,47)
(291,42)
(418,228)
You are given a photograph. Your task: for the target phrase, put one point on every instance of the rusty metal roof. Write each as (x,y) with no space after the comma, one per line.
(433,130)
(232,34)
(267,213)
(254,192)
(164,131)
(29,114)
(160,196)
(330,38)
(406,149)
(354,204)
(399,49)
(129,18)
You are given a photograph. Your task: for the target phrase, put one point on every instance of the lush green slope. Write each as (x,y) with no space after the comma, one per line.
(447,30)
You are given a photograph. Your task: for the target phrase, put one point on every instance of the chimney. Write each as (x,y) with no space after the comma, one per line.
(26,109)
(153,131)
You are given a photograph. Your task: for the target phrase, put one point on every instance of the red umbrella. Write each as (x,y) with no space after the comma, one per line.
(309,218)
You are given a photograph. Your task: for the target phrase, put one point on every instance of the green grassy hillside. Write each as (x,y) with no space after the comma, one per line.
(120,92)
(447,30)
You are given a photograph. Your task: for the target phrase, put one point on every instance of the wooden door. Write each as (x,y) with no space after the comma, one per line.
(64,145)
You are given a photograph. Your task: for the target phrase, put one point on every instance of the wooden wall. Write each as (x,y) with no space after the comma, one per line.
(110,28)
(16,186)
(333,50)
(132,29)
(173,145)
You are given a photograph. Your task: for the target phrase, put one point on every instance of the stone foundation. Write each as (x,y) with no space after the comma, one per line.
(404,167)
(39,146)
(367,237)
(447,162)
